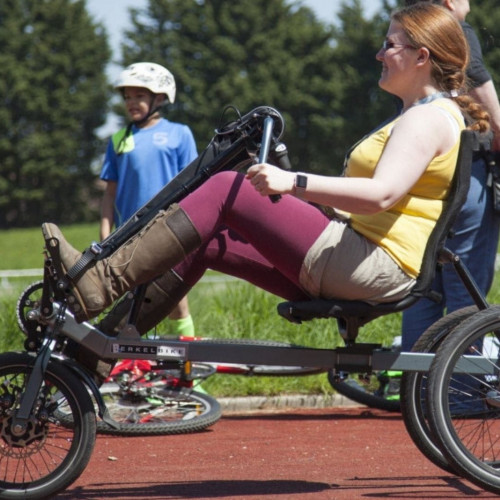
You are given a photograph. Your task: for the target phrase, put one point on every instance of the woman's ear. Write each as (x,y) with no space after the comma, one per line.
(423,55)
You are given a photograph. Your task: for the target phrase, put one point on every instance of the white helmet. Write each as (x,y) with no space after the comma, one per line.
(148,75)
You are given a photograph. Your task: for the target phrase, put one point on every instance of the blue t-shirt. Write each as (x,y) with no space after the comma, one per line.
(151,157)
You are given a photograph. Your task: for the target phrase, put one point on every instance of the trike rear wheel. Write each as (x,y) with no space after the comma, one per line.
(464,399)
(414,388)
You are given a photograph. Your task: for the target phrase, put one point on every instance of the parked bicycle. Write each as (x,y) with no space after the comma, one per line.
(48,401)
(143,397)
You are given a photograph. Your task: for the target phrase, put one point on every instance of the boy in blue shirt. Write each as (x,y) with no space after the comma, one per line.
(144,156)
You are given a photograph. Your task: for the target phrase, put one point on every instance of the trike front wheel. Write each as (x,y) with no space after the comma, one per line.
(46,457)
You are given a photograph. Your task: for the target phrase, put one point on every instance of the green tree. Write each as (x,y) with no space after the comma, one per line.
(362,104)
(485,19)
(54,94)
(246,53)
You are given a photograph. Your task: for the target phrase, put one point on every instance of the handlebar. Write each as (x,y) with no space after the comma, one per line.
(264,148)
(280,152)
(266,139)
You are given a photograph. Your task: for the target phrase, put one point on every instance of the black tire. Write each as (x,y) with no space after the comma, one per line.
(464,412)
(157,410)
(260,370)
(48,457)
(364,388)
(281,371)
(414,388)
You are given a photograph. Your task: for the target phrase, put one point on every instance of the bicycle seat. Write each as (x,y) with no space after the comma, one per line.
(352,314)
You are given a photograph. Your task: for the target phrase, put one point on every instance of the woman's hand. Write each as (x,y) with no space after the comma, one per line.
(268,179)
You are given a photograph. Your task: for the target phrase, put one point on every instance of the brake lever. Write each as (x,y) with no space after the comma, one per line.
(279,156)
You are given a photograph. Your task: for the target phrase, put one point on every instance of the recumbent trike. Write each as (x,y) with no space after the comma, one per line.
(450,395)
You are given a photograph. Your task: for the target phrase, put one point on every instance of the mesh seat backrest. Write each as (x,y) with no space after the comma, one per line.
(458,193)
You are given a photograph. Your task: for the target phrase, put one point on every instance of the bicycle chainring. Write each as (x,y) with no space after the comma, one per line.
(29,299)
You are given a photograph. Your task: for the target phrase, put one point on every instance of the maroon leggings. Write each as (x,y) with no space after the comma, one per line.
(246,235)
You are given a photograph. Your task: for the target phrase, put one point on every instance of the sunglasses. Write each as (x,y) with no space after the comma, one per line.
(386,45)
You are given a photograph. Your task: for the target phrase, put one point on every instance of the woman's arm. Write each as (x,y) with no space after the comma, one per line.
(421,134)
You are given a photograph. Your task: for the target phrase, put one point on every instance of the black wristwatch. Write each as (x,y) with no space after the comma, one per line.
(300,185)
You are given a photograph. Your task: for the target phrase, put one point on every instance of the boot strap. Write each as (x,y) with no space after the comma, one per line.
(84,262)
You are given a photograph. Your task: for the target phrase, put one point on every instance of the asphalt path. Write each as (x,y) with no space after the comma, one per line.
(333,453)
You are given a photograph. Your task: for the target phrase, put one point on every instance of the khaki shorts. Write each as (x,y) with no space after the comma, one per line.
(343,264)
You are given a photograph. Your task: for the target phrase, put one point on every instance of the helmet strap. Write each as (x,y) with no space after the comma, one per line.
(138,123)
(151,112)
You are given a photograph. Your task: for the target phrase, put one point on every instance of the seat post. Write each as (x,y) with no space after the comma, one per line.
(349,329)
(446,256)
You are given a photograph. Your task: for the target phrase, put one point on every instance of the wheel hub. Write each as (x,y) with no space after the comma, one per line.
(27,442)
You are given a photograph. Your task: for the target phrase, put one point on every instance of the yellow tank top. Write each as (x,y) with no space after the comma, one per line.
(404,229)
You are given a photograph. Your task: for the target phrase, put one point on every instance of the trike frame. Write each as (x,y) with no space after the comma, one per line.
(357,357)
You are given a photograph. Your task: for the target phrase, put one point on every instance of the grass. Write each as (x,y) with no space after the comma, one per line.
(230,310)
(22,248)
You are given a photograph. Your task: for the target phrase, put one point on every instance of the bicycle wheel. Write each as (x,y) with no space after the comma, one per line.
(377,389)
(414,388)
(256,369)
(143,409)
(464,399)
(47,457)
(266,370)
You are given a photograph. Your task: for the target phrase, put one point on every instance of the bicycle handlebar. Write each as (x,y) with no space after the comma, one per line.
(265,145)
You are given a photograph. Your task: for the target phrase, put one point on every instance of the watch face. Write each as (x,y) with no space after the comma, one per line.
(301,181)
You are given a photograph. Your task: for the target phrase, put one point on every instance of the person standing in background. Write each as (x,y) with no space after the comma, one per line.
(144,156)
(475,234)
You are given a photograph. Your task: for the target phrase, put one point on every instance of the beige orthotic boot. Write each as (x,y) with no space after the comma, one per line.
(162,243)
(161,296)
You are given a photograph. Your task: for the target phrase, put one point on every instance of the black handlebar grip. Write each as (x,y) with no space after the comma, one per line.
(280,155)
